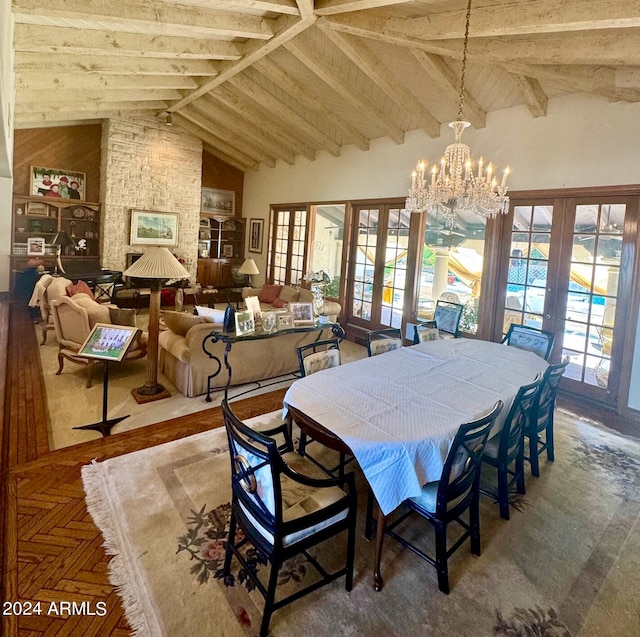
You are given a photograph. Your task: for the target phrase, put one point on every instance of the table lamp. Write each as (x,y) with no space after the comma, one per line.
(249,267)
(157,266)
(61,240)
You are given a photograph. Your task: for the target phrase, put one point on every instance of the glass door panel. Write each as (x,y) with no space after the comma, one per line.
(395,268)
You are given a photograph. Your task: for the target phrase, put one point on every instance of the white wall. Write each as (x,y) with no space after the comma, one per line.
(5,231)
(7,96)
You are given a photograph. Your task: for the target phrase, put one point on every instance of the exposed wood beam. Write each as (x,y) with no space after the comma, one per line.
(198,114)
(185,121)
(382,77)
(287,83)
(98,96)
(443,75)
(229,160)
(62,64)
(28,37)
(276,6)
(333,7)
(82,121)
(305,7)
(288,28)
(322,68)
(256,135)
(71,105)
(156,17)
(257,116)
(627,78)
(535,98)
(523,18)
(33,120)
(284,113)
(41,80)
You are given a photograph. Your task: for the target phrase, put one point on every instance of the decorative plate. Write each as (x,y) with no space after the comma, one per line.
(78,213)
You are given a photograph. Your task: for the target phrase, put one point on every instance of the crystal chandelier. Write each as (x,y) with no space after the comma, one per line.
(454,185)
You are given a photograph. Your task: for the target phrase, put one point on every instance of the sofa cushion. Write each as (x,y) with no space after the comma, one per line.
(213,316)
(96,312)
(278,303)
(180,323)
(122,316)
(79,287)
(288,294)
(305,296)
(269,293)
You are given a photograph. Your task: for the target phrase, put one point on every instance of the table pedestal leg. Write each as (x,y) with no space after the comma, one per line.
(378,582)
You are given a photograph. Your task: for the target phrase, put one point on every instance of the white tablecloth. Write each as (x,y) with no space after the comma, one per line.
(399,411)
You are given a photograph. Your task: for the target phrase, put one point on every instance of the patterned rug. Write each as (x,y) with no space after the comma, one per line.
(566,564)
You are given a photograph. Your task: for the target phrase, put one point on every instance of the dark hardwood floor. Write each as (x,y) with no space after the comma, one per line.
(50,550)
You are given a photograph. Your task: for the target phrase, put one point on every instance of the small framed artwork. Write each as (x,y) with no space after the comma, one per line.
(284,320)
(154,228)
(302,312)
(245,323)
(108,342)
(222,202)
(252,303)
(35,246)
(205,222)
(227,250)
(57,183)
(37,209)
(255,235)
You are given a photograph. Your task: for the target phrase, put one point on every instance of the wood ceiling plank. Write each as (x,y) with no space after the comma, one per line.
(216,152)
(443,75)
(63,63)
(74,81)
(70,105)
(382,77)
(159,17)
(310,100)
(341,86)
(284,113)
(97,96)
(34,38)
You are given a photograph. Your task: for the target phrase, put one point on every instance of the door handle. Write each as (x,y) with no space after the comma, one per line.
(547,316)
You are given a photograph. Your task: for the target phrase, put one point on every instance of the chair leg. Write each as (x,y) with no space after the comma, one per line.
(231,538)
(60,364)
(44,335)
(269,599)
(302,445)
(533,455)
(441,557)
(351,555)
(520,482)
(503,492)
(549,436)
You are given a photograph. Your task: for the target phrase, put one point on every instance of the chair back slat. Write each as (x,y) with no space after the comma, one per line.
(425,332)
(546,400)
(511,436)
(531,339)
(447,316)
(460,473)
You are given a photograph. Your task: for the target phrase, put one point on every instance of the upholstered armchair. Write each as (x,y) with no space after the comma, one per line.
(73,319)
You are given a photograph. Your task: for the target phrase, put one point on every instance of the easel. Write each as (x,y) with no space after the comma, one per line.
(90,349)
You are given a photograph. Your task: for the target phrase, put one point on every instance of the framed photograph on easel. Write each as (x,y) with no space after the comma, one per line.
(108,342)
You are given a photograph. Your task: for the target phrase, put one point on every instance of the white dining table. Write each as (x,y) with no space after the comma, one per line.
(399,412)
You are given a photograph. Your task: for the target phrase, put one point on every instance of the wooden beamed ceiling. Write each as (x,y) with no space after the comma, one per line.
(265,80)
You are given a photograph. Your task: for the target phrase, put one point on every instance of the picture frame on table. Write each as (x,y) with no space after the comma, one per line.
(252,303)
(154,228)
(302,313)
(109,342)
(57,183)
(284,321)
(36,246)
(255,235)
(216,201)
(245,323)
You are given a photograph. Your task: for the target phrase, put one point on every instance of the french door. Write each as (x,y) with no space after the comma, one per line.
(379,258)
(565,274)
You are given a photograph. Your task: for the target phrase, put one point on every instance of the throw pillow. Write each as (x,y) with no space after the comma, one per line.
(180,323)
(288,294)
(305,296)
(123,316)
(97,313)
(80,286)
(214,316)
(278,303)
(269,293)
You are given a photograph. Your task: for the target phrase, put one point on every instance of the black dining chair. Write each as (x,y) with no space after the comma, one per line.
(423,332)
(283,512)
(385,340)
(505,450)
(446,500)
(541,421)
(446,318)
(539,342)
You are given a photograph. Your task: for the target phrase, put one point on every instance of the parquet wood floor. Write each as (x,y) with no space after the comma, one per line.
(52,550)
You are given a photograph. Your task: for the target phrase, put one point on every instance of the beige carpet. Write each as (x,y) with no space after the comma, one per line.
(568,564)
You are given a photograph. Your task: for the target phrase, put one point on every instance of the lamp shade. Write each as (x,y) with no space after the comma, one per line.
(249,267)
(157,263)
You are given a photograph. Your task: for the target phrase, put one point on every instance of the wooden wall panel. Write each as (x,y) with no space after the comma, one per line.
(75,148)
(218,174)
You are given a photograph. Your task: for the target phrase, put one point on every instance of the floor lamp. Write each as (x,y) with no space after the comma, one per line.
(156,266)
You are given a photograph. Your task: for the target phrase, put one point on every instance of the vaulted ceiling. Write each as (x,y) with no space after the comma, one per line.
(266,80)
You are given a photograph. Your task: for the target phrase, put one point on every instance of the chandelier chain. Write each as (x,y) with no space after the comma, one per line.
(463,72)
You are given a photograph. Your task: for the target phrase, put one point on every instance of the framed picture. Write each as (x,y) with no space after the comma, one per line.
(57,183)
(284,320)
(255,235)
(222,202)
(37,209)
(35,246)
(108,342)
(245,323)
(252,303)
(302,312)
(227,250)
(154,228)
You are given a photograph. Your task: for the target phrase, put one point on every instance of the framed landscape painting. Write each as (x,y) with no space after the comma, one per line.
(57,183)
(222,202)
(154,228)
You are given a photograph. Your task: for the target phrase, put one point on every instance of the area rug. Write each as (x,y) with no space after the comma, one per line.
(566,564)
